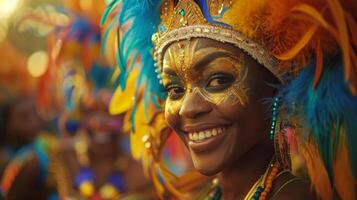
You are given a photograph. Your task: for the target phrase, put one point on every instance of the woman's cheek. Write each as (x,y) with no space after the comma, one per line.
(171,114)
(173,121)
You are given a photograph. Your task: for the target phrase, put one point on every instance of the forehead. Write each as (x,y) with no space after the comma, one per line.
(186,55)
(199,44)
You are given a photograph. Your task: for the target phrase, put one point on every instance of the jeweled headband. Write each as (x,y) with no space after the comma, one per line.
(186,20)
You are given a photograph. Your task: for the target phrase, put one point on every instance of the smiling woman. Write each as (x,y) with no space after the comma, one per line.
(242,79)
(214,104)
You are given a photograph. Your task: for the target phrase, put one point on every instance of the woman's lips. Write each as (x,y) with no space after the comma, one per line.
(206,140)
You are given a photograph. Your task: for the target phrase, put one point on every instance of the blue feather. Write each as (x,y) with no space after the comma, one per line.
(144,18)
(329,105)
(206,13)
(100,76)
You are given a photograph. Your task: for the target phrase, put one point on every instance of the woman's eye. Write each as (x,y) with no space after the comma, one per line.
(219,82)
(175,91)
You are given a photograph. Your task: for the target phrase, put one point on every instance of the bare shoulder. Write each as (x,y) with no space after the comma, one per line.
(293,188)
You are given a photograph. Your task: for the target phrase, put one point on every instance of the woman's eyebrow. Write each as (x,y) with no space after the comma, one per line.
(210,57)
(169,71)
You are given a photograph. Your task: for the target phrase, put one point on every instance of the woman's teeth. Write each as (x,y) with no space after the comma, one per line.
(202,135)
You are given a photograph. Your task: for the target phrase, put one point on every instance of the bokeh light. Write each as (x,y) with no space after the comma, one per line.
(7,7)
(37,63)
(86,4)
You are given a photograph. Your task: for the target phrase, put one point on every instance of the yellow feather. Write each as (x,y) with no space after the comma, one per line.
(170,187)
(141,129)
(121,101)
(158,186)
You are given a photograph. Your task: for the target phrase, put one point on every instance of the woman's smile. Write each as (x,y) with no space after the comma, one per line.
(205,137)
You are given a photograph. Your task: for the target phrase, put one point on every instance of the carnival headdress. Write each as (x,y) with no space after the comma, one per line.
(309,45)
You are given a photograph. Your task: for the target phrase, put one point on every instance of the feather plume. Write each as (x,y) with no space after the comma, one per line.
(322,108)
(343,178)
(293,41)
(247,16)
(317,171)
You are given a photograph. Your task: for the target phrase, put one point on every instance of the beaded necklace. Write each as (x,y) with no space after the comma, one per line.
(259,191)
(85,178)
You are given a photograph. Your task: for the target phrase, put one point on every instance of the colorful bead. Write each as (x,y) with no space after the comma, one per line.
(257,193)
(108,191)
(269,182)
(261,193)
(218,193)
(111,190)
(86,189)
(274,116)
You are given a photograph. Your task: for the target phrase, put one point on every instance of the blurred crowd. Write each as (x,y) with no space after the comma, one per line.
(57,137)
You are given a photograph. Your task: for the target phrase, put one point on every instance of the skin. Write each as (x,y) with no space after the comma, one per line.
(211,85)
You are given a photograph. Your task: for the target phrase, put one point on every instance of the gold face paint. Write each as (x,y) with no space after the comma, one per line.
(215,74)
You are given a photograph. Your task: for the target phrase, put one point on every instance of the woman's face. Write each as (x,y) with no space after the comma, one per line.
(215,101)
(102,127)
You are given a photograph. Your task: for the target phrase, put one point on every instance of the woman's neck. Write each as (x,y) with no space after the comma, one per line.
(237,180)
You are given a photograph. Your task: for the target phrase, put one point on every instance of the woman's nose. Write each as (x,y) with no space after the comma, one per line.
(194,105)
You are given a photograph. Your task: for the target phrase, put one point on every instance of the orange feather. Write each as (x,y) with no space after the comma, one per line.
(319,64)
(343,178)
(316,170)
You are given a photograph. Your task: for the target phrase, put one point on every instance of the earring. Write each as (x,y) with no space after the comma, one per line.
(282,148)
(278,135)
(274,118)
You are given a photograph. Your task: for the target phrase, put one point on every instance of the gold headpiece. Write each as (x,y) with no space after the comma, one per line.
(186,21)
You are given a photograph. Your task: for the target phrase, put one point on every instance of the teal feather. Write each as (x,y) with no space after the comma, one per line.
(135,43)
(329,105)
(109,9)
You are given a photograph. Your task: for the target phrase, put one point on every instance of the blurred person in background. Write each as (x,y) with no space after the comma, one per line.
(24,155)
(93,161)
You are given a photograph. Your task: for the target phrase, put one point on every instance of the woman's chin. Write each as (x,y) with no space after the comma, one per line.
(207,167)
(208,170)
